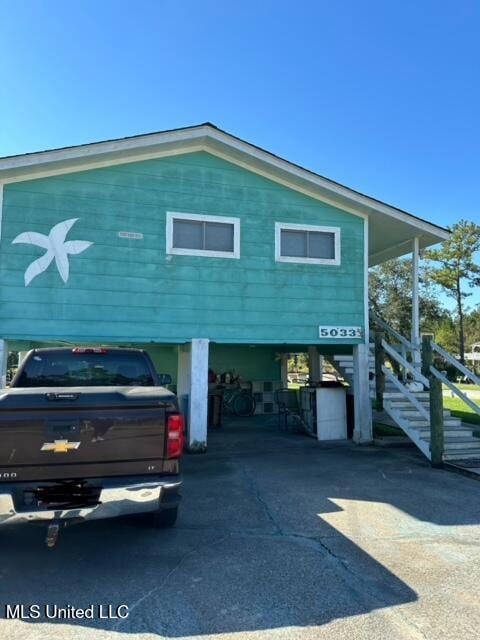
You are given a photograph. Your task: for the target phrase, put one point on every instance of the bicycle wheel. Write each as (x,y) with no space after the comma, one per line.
(243,405)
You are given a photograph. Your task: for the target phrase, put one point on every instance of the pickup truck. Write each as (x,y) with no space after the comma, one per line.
(88,433)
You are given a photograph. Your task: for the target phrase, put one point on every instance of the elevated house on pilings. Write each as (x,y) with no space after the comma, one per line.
(207,251)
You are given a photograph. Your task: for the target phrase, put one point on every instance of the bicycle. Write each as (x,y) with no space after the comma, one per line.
(239,402)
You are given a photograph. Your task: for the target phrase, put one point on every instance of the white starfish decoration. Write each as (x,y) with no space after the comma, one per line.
(56,248)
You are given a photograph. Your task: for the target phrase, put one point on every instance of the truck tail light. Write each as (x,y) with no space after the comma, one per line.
(175,426)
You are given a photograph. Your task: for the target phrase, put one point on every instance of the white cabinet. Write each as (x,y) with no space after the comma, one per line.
(325,412)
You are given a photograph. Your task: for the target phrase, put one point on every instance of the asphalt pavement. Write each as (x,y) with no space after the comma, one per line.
(279,537)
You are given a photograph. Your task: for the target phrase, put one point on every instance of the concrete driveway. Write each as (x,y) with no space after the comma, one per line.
(279,537)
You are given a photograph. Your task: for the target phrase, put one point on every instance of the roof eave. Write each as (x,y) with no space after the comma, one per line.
(209,138)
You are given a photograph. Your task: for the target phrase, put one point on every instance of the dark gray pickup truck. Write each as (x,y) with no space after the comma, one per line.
(88,433)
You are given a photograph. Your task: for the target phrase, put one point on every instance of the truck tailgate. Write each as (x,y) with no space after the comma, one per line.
(83,431)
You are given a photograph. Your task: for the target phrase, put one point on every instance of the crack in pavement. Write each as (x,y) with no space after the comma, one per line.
(173,570)
(316,544)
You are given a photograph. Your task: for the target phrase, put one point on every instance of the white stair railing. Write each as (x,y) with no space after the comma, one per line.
(398,344)
(406,393)
(453,387)
(407,366)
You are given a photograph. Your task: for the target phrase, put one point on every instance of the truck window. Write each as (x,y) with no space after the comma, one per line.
(70,369)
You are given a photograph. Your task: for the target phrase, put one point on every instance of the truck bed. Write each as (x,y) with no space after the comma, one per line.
(83,432)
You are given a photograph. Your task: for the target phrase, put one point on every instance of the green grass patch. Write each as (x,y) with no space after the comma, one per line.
(461,410)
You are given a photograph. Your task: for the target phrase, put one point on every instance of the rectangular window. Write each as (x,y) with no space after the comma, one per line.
(309,244)
(201,235)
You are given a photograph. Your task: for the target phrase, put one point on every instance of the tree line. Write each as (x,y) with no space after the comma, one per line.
(453,269)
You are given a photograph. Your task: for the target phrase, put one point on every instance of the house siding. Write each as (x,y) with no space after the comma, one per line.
(129,290)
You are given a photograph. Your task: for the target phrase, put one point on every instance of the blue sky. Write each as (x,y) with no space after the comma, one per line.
(382,96)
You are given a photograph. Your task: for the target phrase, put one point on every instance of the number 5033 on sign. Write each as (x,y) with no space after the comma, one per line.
(333,332)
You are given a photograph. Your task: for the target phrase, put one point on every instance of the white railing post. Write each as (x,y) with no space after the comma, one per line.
(415,338)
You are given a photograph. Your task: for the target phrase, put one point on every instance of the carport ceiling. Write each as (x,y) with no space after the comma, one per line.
(391,230)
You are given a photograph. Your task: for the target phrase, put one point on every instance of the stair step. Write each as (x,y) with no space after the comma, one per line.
(413,413)
(461,454)
(348,366)
(349,356)
(449,432)
(400,404)
(421,422)
(461,443)
(419,395)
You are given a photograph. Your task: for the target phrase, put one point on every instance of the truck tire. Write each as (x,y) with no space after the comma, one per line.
(164,518)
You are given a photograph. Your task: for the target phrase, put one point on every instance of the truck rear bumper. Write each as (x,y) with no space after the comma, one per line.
(115,499)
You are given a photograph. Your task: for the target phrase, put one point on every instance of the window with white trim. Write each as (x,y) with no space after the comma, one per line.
(309,244)
(192,234)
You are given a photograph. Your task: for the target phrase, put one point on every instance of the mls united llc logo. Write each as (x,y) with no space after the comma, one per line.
(69,612)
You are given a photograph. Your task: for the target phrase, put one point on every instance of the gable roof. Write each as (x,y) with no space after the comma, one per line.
(391,230)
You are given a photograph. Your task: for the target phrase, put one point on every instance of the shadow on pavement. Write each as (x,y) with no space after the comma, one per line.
(258,544)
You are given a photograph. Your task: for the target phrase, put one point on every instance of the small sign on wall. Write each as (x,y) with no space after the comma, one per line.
(336,332)
(130,235)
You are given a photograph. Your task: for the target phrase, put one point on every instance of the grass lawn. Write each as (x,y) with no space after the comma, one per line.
(465,387)
(461,410)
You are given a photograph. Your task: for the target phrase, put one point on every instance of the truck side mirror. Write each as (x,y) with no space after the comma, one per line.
(164,379)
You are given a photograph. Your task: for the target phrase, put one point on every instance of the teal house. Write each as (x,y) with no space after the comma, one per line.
(200,247)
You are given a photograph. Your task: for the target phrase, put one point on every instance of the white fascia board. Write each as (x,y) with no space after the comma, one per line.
(211,140)
(96,149)
(364,203)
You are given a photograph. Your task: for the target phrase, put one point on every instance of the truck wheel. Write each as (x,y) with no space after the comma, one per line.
(164,518)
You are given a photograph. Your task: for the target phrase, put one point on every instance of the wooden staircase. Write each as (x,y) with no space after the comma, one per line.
(344,365)
(409,404)
(459,439)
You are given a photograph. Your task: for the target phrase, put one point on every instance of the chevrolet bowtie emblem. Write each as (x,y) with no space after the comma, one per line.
(60,446)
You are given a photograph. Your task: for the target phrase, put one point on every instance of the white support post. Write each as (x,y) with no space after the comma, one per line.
(192,391)
(284,369)
(415,337)
(3,363)
(362,432)
(314,371)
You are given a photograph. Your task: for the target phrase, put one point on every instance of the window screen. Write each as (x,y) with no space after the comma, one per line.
(203,235)
(307,244)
